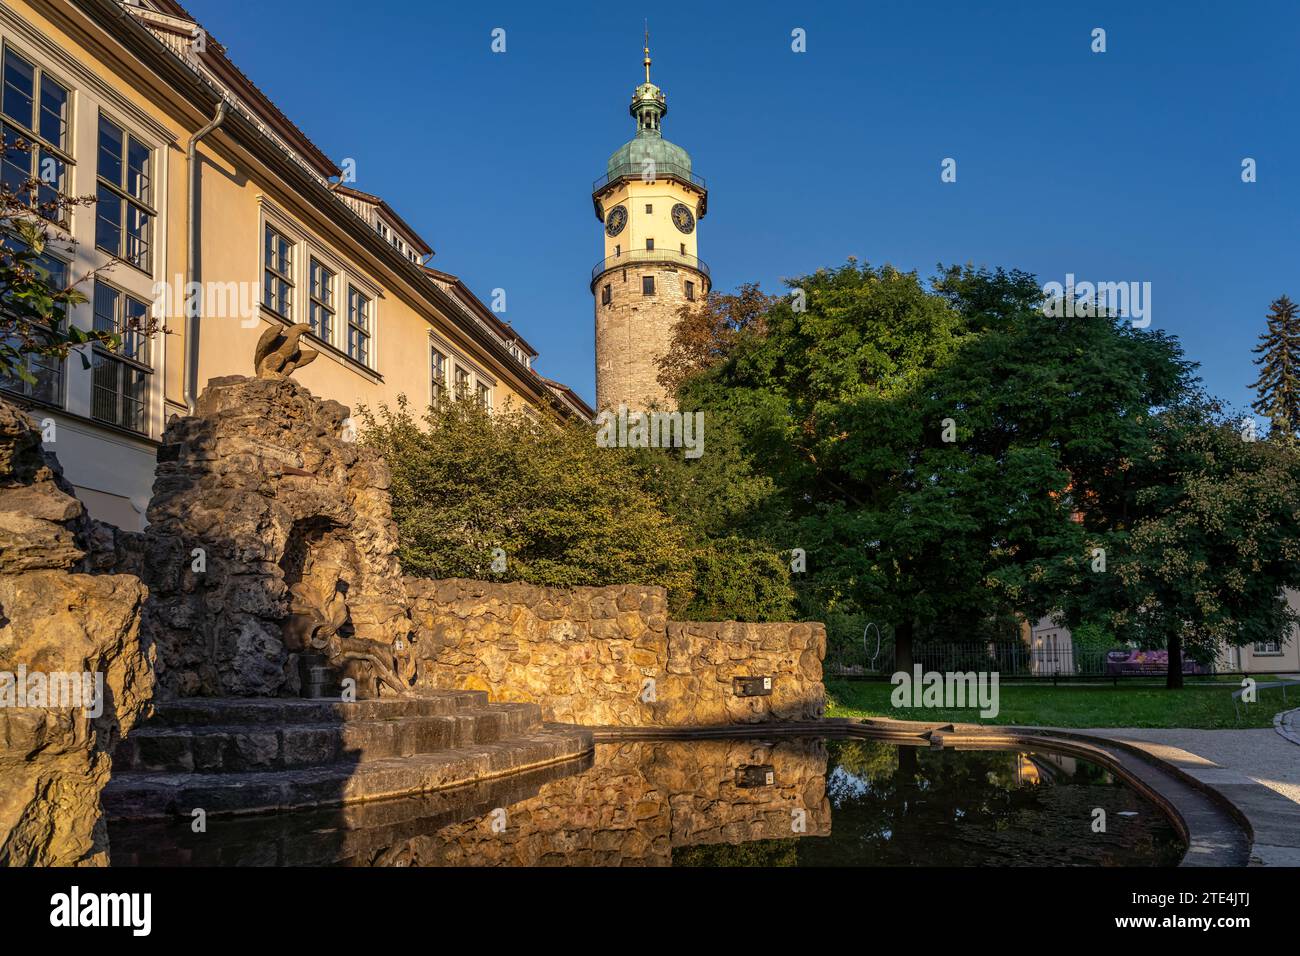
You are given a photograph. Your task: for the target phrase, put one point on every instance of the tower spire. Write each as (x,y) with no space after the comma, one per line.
(648,103)
(647,50)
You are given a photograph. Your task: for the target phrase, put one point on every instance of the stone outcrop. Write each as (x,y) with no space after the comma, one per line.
(610,656)
(74,674)
(271,544)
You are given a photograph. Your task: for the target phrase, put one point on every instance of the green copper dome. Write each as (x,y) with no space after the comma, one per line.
(633,158)
(649,144)
(648,107)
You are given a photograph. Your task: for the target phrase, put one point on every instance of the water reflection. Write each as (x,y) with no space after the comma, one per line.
(785,802)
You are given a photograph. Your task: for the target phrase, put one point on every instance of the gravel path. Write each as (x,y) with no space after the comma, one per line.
(1262,755)
(1287,724)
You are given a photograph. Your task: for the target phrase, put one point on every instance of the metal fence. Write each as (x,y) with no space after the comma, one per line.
(1009,659)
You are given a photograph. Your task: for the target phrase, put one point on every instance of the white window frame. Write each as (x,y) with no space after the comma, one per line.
(288,276)
(307,247)
(91,95)
(65,152)
(125,364)
(56,366)
(152,208)
(314,258)
(368,329)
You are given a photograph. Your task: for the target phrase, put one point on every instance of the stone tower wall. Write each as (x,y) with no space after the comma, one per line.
(634,330)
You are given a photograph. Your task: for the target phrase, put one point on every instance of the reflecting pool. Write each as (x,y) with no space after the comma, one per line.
(785,801)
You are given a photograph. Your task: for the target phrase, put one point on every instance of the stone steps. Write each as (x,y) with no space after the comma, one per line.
(262,745)
(247,756)
(135,794)
(274,710)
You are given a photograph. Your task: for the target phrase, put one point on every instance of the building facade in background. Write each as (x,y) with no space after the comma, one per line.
(650,202)
(266,229)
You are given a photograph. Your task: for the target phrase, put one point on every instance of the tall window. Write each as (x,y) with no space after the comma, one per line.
(33,108)
(462,383)
(120,380)
(321,314)
(359,325)
(690,291)
(47,370)
(605,295)
(277,285)
(483,395)
(124,198)
(647,285)
(649,245)
(438,374)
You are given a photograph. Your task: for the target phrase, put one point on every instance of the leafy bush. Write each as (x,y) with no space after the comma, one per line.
(562,510)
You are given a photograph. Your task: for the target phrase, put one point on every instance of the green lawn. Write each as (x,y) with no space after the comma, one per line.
(1205,706)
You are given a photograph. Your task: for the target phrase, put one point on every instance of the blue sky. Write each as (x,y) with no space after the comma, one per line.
(1122,166)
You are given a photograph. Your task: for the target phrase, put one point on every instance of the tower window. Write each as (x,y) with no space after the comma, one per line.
(683,248)
(690,291)
(649,245)
(647,285)
(649,207)
(605,295)
(618,250)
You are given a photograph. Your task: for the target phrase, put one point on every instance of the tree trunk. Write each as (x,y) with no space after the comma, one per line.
(1174,677)
(903,647)
(908,765)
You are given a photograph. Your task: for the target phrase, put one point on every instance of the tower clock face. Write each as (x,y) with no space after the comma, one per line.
(616,220)
(683,218)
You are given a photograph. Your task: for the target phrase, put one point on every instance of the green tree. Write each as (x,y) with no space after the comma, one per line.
(1278,384)
(565,512)
(933,445)
(1201,541)
(562,511)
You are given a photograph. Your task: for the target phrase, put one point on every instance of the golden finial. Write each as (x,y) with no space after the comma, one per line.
(647,50)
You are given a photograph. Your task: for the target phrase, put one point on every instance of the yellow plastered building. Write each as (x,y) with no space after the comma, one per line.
(216,214)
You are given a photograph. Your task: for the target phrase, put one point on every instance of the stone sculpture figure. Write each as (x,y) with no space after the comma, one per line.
(278,354)
(315,620)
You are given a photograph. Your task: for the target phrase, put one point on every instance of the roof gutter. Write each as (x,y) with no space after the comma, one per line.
(193,310)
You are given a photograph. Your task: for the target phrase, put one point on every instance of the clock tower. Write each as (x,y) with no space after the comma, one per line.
(650,203)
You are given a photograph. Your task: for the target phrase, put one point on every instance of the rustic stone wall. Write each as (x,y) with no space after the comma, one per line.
(634,330)
(58,618)
(609,656)
(267,486)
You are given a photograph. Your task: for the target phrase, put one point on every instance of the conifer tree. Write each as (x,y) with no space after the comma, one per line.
(1278,384)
